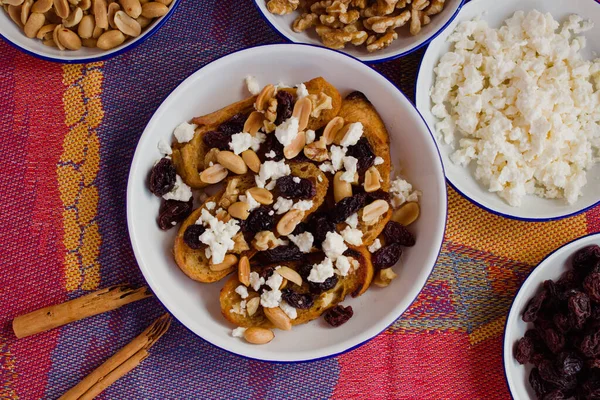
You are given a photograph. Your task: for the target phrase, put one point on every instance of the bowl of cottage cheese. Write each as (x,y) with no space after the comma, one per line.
(511,91)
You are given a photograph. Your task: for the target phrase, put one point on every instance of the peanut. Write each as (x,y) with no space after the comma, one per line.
(406,214)
(213,174)
(251,160)
(262,100)
(263,196)
(316,151)
(290,275)
(254,122)
(154,10)
(101,14)
(61,8)
(26,11)
(256,335)
(278,318)
(252,306)
(239,210)
(244,271)
(373,211)
(133,8)
(126,24)
(341,189)
(85,4)
(74,18)
(15,3)
(90,43)
(14,12)
(293,149)
(302,110)
(55,37)
(69,39)
(143,21)
(372,180)
(332,129)
(288,222)
(44,30)
(232,162)
(229,261)
(110,39)
(384,277)
(112,10)
(42,6)
(34,24)
(85,29)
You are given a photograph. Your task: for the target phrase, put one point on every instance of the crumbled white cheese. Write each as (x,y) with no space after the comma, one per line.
(296,179)
(271,170)
(333,245)
(327,167)
(321,272)
(248,199)
(288,310)
(378,160)
(350,164)
(353,134)
(283,205)
(310,136)
(239,308)
(287,131)
(243,141)
(337,155)
(252,85)
(238,332)
(270,298)
(376,245)
(184,132)
(274,281)
(352,220)
(301,92)
(242,291)
(270,154)
(210,205)
(271,213)
(180,192)
(281,85)
(217,236)
(352,236)
(402,192)
(303,205)
(164,147)
(320,178)
(256,281)
(521,103)
(342,265)
(304,241)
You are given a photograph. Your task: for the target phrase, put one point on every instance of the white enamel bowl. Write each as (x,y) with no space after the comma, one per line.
(495,12)
(552,267)
(14,35)
(405,44)
(220,83)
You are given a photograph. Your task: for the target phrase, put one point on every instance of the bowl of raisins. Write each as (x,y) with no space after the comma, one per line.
(552,334)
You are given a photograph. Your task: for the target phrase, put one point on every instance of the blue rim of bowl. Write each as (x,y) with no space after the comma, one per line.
(412,301)
(104,57)
(375,61)
(504,355)
(488,209)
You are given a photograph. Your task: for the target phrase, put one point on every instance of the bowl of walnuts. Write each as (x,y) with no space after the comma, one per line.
(81,31)
(372,31)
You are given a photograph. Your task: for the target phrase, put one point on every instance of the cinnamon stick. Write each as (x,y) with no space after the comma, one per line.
(143,341)
(85,306)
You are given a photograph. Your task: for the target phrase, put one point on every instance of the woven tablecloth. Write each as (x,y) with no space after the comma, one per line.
(68,136)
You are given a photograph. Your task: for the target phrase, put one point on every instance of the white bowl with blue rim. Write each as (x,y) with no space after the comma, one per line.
(462,179)
(12,34)
(552,267)
(405,44)
(221,83)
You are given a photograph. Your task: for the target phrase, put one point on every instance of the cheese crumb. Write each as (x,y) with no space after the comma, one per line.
(376,245)
(337,155)
(288,310)
(217,236)
(353,134)
(238,332)
(270,154)
(352,236)
(333,245)
(256,281)
(164,147)
(242,291)
(304,241)
(321,272)
(287,131)
(352,220)
(342,265)
(242,141)
(271,170)
(252,85)
(310,136)
(248,199)
(378,160)
(296,179)
(350,164)
(270,298)
(303,205)
(210,205)
(301,92)
(184,132)
(180,192)
(283,205)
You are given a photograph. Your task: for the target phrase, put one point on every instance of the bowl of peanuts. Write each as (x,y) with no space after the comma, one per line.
(80,31)
(371,30)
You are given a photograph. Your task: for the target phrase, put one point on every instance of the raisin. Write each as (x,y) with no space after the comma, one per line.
(554,340)
(338,315)
(590,389)
(172,212)
(285,106)
(362,151)
(346,207)
(217,140)
(562,322)
(579,308)
(301,301)
(319,225)
(304,270)
(387,256)
(280,254)
(378,195)
(533,307)
(259,220)
(537,383)
(162,177)
(191,236)
(270,144)
(290,189)
(568,363)
(556,394)
(590,344)
(397,233)
(266,272)
(300,228)
(586,258)
(318,288)
(234,124)
(550,374)
(353,253)
(524,350)
(591,285)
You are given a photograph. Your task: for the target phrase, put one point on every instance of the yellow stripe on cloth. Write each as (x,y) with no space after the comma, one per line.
(526,242)
(77,171)
(487,331)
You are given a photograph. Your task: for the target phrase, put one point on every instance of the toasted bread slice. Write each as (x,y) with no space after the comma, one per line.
(193,262)
(189,157)
(354,283)
(357,108)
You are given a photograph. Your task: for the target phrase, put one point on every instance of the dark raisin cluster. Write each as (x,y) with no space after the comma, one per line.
(363,152)
(221,137)
(290,189)
(172,212)
(302,301)
(338,315)
(564,343)
(162,180)
(192,234)
(396,235)
(285,106)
